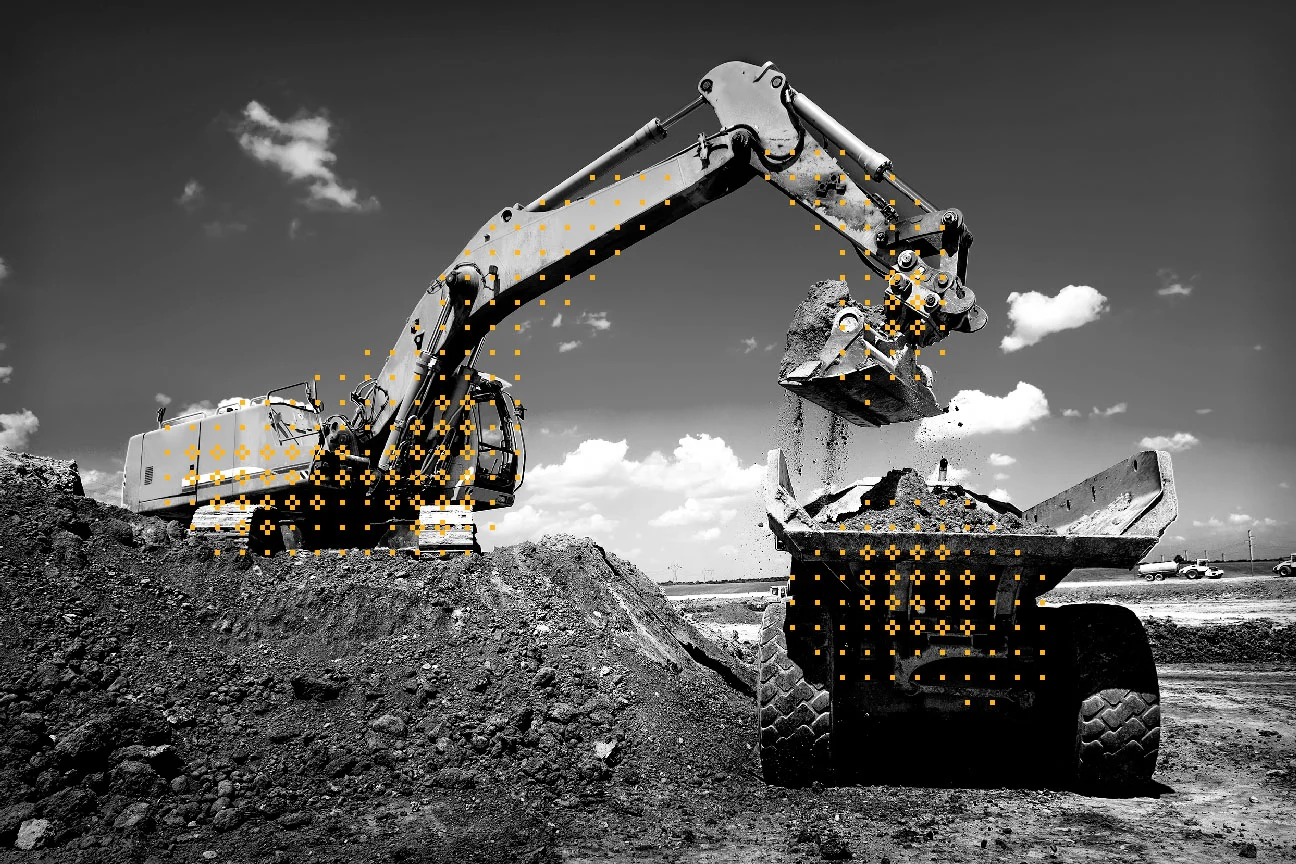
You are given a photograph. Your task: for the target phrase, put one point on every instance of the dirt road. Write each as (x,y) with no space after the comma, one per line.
(1228,775)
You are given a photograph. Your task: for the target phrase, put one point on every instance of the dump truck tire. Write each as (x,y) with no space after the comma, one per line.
(794,700)
(1114,698)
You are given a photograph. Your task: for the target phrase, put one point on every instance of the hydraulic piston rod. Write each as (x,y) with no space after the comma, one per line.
(650,133)
(875,163)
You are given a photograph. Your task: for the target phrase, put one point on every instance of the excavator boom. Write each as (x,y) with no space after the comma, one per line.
(422,426)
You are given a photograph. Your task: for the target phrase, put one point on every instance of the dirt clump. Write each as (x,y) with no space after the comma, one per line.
(812,323)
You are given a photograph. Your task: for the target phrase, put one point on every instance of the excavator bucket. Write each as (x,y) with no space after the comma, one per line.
(840,357)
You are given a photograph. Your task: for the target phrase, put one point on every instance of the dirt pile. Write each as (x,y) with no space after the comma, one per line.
(1247,642)
(25,471)
(902,501)
(158,696)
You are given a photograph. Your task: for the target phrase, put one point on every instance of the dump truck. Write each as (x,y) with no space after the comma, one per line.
(894,644)
(429,431)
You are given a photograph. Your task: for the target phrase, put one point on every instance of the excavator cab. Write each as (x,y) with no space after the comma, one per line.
(500,450)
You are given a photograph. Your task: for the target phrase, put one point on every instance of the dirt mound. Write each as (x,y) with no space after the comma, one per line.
(156,693)
(1248,642)
(26,471)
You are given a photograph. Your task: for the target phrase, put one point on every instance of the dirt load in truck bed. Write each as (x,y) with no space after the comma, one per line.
(902,501)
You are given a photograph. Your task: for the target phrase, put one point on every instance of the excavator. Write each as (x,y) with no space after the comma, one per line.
(431,435)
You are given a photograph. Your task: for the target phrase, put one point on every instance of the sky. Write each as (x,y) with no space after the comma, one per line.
(217,204)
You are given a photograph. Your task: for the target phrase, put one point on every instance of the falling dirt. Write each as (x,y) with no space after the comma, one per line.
(836,450)
(790,431)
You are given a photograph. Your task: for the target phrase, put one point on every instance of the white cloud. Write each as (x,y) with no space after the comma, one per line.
(557,321)
(192,196)
(301,149)
(16,429)
(1002,476)
(597,320)
(769,347)
(749,344)
(1284,485)
(162,399)
(1205,410)
(704,466)
(105,486)
(1118,408)
(952,475)
(4,269)
(294,227)
(1172,285)
(1248,520)
(530,522)
(1259,347)
(1175,443)
(523,326)
(1070,412)
(972,412)
(567,496)
(6,373)
(1035,315)
(564,347)
(217,229)
(1212,522)
(707,534)
(999,493)
(696,511)
(1001,459)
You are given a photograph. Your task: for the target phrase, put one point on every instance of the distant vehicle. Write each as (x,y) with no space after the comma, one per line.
(1158,570)
(1201,569)
(1286,567)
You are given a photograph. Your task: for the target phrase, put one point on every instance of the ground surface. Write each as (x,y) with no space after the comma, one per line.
(542,703)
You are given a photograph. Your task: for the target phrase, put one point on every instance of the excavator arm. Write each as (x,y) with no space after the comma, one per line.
(770,132)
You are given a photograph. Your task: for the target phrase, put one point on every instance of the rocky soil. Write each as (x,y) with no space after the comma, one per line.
(159,692)
(542,703)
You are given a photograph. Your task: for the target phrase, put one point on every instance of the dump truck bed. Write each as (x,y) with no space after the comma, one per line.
(1112,519)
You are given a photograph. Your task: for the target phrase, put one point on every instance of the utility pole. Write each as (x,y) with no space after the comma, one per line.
(1250,552)
(674,568)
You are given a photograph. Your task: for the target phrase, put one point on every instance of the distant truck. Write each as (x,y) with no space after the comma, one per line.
(1286,567)
(1161,569)
(1200,569)
(1158,570)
